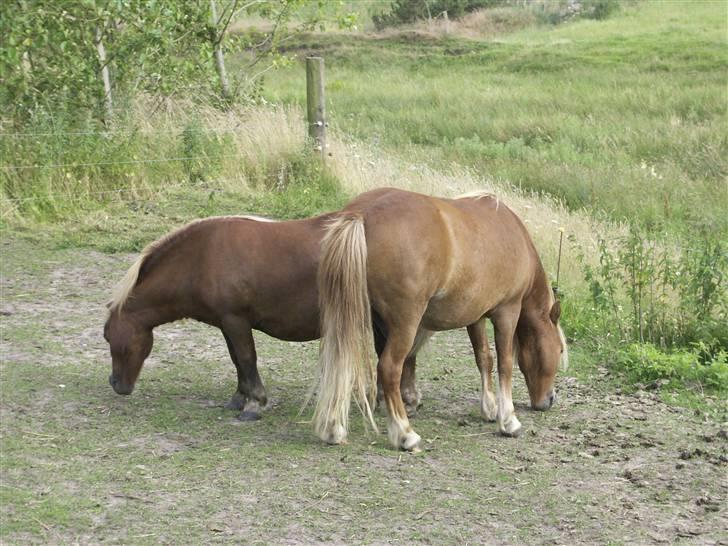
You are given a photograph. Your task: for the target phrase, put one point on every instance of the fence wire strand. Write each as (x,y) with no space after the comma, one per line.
(129,162)
(141,132)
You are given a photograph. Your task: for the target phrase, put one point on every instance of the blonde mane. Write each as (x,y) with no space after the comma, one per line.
(480,194)
(122,291)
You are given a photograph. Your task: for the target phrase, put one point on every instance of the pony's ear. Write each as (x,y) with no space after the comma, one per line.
(555,312)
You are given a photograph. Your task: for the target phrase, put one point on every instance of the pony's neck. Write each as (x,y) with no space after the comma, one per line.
(151,315)
(539,298)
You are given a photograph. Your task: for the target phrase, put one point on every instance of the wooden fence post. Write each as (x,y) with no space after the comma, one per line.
(316,103)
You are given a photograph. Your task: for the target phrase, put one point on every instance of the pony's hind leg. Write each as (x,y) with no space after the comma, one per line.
(408,387)
(391,362)
(504,324)
(484,361)
(239,337)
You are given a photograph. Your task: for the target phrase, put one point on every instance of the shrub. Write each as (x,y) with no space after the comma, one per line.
(555,12)
(409,11)
(646,363)
(648,290)
(304,187)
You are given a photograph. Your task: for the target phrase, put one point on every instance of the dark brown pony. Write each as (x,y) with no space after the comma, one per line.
(420,264)
(237,273)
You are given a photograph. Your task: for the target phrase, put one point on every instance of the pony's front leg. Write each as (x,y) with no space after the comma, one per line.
(484,361)
(250,397)
(504,324)
(391,362)
(237,400)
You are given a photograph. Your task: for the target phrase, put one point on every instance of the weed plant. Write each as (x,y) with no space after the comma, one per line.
(652,292)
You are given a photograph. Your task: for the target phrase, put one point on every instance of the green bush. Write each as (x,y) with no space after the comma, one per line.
(409,11)
(655,291)
(303,187)
(645,363)
(555,12)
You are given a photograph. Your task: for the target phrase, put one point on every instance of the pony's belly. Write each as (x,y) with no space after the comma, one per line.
(450,313)
(287,331)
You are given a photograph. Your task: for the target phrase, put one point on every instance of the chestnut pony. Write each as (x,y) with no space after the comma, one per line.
(237,273)
(420,264)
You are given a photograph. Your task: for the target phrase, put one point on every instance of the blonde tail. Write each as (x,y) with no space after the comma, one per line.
(345,363)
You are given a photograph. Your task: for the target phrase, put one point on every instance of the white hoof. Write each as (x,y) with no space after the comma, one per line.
(335,435)
(410,441)
(511,427)
(488,408)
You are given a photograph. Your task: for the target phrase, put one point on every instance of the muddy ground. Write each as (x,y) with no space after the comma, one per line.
(170,465)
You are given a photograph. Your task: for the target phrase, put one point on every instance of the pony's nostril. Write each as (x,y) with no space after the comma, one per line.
(552,399)
(112,381)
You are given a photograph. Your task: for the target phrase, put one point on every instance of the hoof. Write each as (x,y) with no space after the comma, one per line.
(335,436)
(410,442)
(235,404)
(488,408)
(515,434)
(511,428)
(411,410)
(249,416)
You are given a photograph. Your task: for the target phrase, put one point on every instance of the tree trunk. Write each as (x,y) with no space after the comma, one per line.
(219,59)
(101,51)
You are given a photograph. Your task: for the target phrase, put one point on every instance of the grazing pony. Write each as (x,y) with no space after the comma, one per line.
(237,273)
(419,264)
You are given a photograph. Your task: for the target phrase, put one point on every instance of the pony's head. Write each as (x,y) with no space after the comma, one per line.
(130,344)
(540,347)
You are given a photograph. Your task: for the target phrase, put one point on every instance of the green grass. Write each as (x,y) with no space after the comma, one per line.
(129,225)
(625,116)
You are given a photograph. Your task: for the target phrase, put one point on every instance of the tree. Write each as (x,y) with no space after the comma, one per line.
(85,55)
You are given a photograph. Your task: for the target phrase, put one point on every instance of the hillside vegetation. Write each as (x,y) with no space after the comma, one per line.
(612,130)
(625,116)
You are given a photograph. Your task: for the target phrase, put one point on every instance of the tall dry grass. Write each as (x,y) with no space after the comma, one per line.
(361,167)
(251,151)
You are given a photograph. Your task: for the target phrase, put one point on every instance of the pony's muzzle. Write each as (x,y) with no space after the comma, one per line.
(546,403)
(119,387)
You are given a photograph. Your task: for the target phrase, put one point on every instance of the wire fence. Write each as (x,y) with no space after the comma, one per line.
(129,162)
(207,185)
(83,195)
(111,133)
(106,133)
(204,183)
(97,193)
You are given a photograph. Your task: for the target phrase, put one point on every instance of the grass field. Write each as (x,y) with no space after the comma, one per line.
(625,116)
(593,126)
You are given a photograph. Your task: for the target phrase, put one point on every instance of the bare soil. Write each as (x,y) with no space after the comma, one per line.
(170,465)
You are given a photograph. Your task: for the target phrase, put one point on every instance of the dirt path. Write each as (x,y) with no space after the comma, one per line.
(169,465)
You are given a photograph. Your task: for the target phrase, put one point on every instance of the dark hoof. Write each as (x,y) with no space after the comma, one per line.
(249,416)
